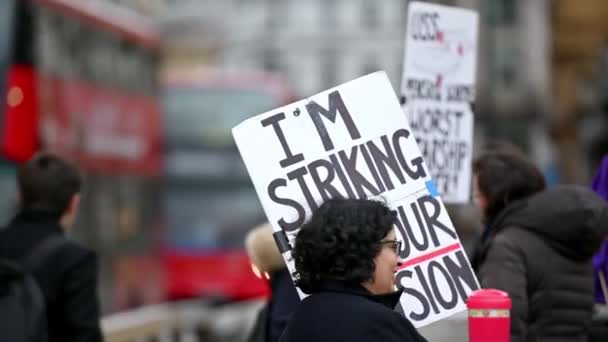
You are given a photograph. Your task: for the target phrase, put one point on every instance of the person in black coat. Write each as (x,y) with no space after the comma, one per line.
(266,258)
(49,190)
(537,246)
(345,259)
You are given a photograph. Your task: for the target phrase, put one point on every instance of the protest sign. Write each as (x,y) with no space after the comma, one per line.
(353,141)
(444,134)
(438,90)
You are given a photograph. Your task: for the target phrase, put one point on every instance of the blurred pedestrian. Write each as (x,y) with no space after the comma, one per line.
(345,258)
(537,246)
(268,262)
(49,198)
(600,260)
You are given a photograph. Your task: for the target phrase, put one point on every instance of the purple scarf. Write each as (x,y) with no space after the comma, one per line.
(600,260)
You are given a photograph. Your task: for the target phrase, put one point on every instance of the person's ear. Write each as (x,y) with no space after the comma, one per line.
(74,204)
(69,215)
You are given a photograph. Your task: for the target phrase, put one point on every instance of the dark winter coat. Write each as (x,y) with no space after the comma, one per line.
(274,315)
(68,278)
(349,314)
(282,304)
(539,251)
(265,255)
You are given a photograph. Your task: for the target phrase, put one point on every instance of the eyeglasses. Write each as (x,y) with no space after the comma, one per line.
(394,244)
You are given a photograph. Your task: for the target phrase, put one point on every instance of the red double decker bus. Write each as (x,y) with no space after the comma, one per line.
(209,201)
(80,78)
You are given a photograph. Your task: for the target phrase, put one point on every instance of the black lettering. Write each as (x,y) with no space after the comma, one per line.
(324,186)
(434,18)
(336,105)
(290,157)
(422,89)
(416,316)
(432,221)
(417,162)
(443,122)
(299,174)
(424,26)
(425,240)
(446,304)
(423,145)
(446,123)
(445,181)
(386,158)
(440,160)
(342,176)
(372,168)
(458,115)
(272,193)
(426,288)
(359,182)
(460,273)
(463,150)
(460,93)
(400,223)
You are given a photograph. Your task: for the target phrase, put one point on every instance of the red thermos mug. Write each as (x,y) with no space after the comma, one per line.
(489,316)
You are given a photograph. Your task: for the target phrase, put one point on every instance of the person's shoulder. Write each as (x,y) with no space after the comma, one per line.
(366,320)
(350,306)
(384,324)
(514,236)
(73,254)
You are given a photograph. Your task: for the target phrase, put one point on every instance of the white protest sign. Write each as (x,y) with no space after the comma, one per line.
(439,80)
(444,134)
(353,141)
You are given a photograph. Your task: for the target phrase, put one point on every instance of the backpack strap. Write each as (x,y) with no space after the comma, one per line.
(43,250)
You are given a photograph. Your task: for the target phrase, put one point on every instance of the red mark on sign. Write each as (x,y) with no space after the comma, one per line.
(439,36)
(431,255)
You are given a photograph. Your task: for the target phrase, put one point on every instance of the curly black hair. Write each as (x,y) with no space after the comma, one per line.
(340,242)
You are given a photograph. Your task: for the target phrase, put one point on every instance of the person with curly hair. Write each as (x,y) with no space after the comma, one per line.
(345,259)
(537,246)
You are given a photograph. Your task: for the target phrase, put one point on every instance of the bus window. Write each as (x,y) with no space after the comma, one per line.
(210,218)
(207,115)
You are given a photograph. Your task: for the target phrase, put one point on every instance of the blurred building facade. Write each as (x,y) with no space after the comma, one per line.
(321,43)
(533,56)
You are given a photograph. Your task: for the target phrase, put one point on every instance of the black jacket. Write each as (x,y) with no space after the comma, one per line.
(284,299)
(539,251)
(349,314)
(274,316)
(68,278)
